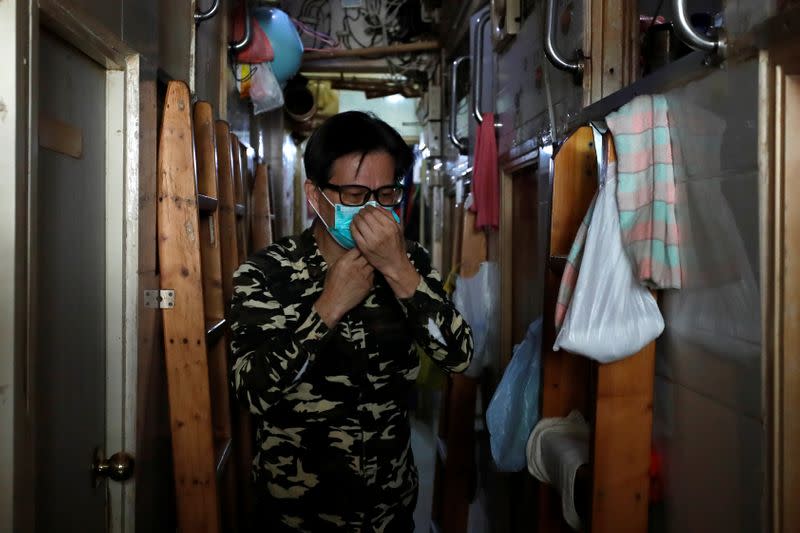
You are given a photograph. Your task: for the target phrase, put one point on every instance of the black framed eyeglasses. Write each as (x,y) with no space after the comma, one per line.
(358,195)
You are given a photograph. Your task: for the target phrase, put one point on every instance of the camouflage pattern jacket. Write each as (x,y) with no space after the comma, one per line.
(330,406)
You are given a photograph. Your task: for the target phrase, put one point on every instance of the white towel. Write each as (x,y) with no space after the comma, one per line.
(556,449)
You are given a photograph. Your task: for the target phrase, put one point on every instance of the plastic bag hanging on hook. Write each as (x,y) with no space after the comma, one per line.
(611,315)
(265,92)
(514,409)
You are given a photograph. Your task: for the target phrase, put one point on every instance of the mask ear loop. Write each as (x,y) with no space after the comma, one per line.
(327,227)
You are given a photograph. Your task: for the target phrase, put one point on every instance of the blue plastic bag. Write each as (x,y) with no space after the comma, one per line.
(514,409)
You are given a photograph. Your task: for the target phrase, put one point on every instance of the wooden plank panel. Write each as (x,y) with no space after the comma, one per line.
(787,293)
(238,188)
(262,228)
(622,440)
(231,259)
(227,216)
(565,376)
(622,437)
(214,306)
(184,325)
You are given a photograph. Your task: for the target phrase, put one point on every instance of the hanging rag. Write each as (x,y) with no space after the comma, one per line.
(646,190)
(485,177)
(570,277)
(556,448)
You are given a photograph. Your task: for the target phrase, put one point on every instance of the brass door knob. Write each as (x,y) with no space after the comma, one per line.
(118,467)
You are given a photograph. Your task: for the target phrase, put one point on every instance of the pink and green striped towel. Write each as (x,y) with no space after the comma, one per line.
(646,190)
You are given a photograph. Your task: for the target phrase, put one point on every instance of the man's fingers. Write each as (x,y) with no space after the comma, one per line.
(363,226)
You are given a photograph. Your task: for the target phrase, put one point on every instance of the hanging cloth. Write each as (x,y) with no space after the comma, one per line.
(485,177)
(646,190)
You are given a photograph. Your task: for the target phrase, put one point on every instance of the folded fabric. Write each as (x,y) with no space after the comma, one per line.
(646,190)
(557,447)
(486,180)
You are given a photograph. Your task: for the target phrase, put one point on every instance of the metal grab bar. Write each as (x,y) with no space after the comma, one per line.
(576,66)
(200,16)
(687,34)
(454,105)
(477,66)
(241,45)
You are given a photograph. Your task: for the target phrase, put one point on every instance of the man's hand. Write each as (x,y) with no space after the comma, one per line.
(380,239)
(348,282)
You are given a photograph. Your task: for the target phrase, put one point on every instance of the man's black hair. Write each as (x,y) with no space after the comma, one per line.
(354,132)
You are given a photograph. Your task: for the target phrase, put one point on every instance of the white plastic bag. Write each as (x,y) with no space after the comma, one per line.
(611,315)
(265,91)
(476,300)
(514,409)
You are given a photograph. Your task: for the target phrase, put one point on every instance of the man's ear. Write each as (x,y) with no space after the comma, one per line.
(311,193)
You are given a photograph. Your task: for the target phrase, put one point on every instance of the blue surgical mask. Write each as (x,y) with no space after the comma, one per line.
(343,217)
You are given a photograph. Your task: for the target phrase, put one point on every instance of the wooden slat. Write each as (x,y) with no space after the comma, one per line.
(227,216)
(184,331)
(238,188)
(622,437)
(231,258)
(621,440)
(565,377)
(610,46)
(262,223)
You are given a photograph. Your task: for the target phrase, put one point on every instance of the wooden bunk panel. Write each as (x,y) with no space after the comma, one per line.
(227,207)
(621,443)
(565,376)
(184,331)
(207,182)
(622,438)
(238,189)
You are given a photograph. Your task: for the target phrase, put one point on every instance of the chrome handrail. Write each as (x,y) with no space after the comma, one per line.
(241,45)
(477,66)
(200,16)
(576,66)
(687,34)
(454,105)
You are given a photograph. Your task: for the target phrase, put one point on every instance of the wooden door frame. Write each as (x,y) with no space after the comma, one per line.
(779,86)
(122,66)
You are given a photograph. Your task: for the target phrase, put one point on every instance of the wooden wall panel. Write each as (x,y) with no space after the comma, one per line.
(611,44)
